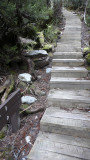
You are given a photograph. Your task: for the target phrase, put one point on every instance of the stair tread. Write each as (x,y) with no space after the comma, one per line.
(66,60)
(56,146)
(69,69)
(79,123)
(38,154)
(69,80)
(75,95)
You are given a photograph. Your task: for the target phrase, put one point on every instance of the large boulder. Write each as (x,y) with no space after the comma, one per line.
(88,58)
(41,62)
(26,41)
(36,53)
(86,51)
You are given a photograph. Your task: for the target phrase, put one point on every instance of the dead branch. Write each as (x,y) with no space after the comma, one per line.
(85,12)
(8,89)
(34,111)
(6,84)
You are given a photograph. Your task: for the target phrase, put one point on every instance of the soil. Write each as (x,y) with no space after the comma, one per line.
(14,146)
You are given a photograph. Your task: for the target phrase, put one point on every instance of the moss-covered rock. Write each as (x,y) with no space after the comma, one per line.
(27,43)
(48,47)
(88,58)
(86,50)
(22,85)
(40,36)
(2,134)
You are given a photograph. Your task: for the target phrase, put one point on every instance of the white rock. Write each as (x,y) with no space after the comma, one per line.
(36,117)
(36,53)
(27,139)
(28,99)
(39,77)
(48,70)
(25,77)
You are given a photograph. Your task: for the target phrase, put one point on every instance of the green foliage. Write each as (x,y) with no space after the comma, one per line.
(57,11)
(51,33)
(80,5)
(20,18)
(74,4)
(88,14)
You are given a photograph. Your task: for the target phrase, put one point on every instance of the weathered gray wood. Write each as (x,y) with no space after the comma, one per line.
(69,83)
(67,55)
(68,62)
(9,109)
(65,133)
(73,151)
(38,154)
(71,98)
(73,72)
(15,121)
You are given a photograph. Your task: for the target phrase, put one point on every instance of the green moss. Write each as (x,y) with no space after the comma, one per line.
(29,48)
(86,50)
(40,35)
(88,58)
(50,54)
(2,134)
(32,86)
(48,47)
(24,106)
(88,68)
(5,154)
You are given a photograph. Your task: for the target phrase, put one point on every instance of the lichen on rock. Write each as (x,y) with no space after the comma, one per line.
(48,47)
(40,36)
(86,50)
(88,58)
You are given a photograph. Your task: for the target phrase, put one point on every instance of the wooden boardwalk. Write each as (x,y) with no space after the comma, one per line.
(65,126)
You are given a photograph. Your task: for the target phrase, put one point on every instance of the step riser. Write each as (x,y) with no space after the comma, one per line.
(69,74)
(72,45)
(67,56)
(59,49)
(68,85)
(38,154)
(59,129)
(69,64)
(64,103)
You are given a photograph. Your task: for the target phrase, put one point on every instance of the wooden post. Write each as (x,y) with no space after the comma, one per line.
(9,111)
(15,121)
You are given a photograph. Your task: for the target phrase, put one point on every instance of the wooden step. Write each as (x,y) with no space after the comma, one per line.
(67,55)
(69,83)
(69,98)
(59,147)
(73,72)
(68,62)
(66,123)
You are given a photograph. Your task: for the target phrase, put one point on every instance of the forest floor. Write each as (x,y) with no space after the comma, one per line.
(15,146)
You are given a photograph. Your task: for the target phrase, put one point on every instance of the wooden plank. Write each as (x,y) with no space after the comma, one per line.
(9,102)
(10,109)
